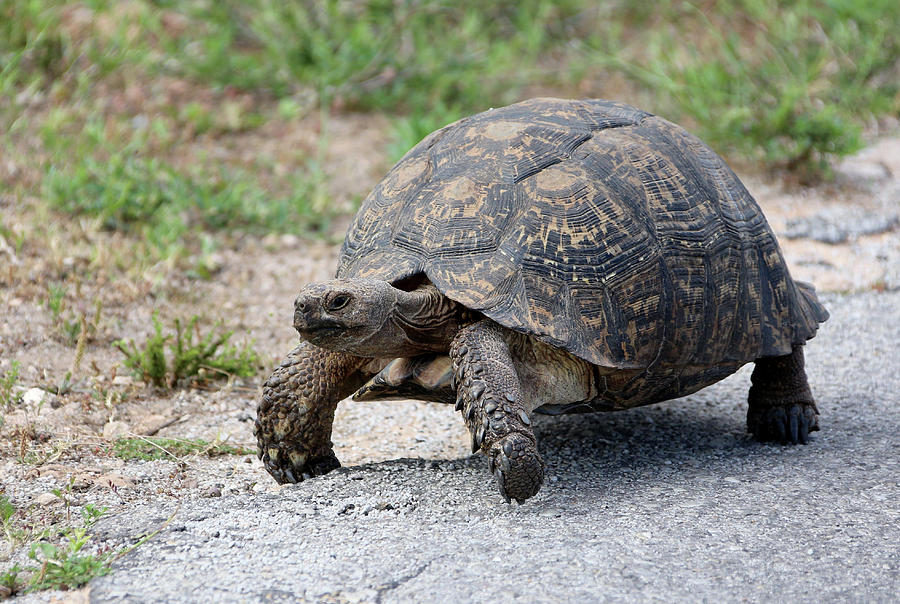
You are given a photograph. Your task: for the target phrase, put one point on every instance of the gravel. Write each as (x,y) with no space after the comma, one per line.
(841,224)
(673,502)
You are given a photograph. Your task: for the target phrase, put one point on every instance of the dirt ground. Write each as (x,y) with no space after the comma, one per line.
(841,236)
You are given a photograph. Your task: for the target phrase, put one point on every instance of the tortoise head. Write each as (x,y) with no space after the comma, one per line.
(372,318)
(346,315)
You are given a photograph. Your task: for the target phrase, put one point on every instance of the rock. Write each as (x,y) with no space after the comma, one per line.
(35,396)
(47,499)
(837,225)
(857,171)
(151,424)
(82,481)
(114,429)
(123,380)
(113,480)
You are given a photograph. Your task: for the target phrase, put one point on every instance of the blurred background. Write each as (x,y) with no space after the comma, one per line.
(177,119)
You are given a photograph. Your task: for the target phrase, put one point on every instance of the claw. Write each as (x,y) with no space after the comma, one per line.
(780,418)
(793,419)
(501,483)
(804,429)
(504,461)
(477,438)
(789,424)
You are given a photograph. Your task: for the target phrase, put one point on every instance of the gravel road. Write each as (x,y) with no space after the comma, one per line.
(670,502)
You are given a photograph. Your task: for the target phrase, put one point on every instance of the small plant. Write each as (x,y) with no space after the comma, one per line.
(64,567)
(149,197)
(8,582)
(789,83)
(72,326)
(408,131)
(55,296)
(192,356)
(91,514)
(8,397)
(7,510)
(148,449)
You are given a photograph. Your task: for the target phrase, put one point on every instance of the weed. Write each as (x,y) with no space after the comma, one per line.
(148,449)
(192,355)
(33,49)
(404,55)
(149,197)
(8,581)
(13,531)
(8,397)
(91,514)
(64,567)
(17,238)
(790,84)
(149,363)
(55,296)
(7,509)
(409,130)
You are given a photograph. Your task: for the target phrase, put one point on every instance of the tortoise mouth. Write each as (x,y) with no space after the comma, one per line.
(318,329)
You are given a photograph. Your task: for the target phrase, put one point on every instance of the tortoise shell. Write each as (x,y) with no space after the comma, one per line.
(593,226)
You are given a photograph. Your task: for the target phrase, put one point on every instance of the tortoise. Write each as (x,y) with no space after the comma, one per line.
(555,256)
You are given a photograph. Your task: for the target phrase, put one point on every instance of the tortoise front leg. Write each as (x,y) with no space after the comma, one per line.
(294,417)
(781,405)
(490,397)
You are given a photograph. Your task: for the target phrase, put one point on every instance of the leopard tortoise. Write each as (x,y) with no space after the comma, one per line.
(550,256)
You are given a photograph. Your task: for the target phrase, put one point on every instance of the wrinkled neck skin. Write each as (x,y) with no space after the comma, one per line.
(419,321)
(427,319)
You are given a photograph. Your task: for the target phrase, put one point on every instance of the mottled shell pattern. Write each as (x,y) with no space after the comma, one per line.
(593,226)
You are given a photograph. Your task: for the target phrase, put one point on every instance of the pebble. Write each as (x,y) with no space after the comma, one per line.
(47,499)
(35,396)
(114,428)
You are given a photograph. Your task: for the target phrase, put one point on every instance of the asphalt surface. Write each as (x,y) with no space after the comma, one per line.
(670,502)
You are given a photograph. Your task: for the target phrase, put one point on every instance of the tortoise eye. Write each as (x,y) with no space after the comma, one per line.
(338,302)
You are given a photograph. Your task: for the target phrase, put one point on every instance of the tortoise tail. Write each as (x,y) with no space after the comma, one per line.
(810,312)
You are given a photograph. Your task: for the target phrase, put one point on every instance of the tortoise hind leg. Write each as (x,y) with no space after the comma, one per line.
(781,405)
(491,399)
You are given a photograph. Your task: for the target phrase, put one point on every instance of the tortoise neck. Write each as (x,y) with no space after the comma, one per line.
(428,317)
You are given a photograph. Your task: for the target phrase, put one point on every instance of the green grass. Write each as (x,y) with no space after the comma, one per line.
(148,449)
(788,83)
(408,130)
(8,396)
(149,197)
(192,356)
(386,55)
(65,566)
